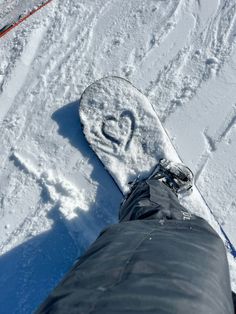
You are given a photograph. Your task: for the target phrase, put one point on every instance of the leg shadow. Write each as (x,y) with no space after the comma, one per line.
(31,270)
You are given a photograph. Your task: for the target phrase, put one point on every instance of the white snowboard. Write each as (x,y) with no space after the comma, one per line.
(124,131)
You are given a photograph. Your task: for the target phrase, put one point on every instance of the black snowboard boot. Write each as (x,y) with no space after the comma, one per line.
(176,176)
(156,197)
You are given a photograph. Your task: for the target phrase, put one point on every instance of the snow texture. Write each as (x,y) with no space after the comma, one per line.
(55,196)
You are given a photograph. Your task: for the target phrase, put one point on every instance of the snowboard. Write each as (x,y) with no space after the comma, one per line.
(127,136)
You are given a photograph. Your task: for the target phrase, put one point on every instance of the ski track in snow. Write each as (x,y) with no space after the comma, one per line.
(180,53)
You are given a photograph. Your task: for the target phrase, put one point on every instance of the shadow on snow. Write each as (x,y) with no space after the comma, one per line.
(31,270)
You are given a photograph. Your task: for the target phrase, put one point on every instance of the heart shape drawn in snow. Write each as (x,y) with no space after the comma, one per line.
(119,131)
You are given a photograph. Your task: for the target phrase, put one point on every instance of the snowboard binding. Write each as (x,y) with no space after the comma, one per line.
(176,176)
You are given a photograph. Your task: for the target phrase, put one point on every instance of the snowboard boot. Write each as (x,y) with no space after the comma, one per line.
(156,197)
(176,176)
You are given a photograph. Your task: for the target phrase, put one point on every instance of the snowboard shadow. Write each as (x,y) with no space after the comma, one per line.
(69,127)
(104,209)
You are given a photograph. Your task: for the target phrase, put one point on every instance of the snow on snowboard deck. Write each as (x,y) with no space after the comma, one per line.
(126,134)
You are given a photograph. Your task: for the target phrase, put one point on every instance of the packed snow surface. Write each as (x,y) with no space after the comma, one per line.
(55,196)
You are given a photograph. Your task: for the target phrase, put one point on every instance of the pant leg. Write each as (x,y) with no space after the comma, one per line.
(234,301)
(151,199)
(158,259)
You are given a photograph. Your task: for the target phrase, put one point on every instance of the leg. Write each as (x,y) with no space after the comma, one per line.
(158,259)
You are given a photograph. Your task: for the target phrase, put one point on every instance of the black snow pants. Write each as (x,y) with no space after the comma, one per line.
(159,259)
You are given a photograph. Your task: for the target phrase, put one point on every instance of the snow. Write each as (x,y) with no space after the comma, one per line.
(55,196)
